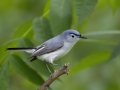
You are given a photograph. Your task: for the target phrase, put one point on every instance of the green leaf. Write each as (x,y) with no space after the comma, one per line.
(37,65)
(3,52)
(106,37)
(83,8)
(108,32)
(10,41)
(60,15)
(47,9)
(116,52)
(91,60)
(42,29)
(25,30)
(4,76)
(25,42)
(115,4)
(23,69)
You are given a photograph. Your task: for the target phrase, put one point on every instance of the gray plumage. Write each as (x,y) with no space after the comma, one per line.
(50,45)
(55,47)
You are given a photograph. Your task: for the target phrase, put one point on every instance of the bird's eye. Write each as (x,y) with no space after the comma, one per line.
(73,36)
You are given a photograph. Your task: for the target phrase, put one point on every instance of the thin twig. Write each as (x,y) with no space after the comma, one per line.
(55,75)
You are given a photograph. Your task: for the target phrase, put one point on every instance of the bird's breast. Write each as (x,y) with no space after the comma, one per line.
(57,54)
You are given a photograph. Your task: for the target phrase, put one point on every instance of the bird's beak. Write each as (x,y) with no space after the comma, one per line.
(83,37)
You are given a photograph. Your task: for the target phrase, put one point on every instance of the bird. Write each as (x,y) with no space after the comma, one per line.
(54,48)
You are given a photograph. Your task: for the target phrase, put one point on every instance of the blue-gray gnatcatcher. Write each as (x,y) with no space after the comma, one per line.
(53,48)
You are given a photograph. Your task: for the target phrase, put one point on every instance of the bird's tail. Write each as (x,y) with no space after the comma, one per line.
(29,50)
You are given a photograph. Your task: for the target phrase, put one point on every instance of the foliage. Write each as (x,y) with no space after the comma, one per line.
(24,22)
(4,76)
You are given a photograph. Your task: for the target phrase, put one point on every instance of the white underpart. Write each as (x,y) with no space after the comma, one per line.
(50,57)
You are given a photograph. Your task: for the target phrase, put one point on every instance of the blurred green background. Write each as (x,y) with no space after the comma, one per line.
(94,63)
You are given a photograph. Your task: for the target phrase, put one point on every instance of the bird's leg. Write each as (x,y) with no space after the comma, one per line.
(56,64)
(47,67)
(51,62)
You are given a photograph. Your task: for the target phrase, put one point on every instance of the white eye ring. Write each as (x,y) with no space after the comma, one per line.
(72,35)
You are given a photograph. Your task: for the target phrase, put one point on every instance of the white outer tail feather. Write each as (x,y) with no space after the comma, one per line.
(30,51)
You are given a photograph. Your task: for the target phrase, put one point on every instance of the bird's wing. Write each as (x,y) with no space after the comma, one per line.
(49,46)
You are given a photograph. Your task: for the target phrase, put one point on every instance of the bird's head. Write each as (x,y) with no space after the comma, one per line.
(72,35)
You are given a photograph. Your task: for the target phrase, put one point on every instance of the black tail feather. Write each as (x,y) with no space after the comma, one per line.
(21,48)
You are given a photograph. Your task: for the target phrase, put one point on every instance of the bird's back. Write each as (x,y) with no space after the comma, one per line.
(49,46)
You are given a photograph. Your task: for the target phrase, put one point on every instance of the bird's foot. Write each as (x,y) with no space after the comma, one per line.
(67,70)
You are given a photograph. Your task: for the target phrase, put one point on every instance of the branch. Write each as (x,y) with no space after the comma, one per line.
(55,75)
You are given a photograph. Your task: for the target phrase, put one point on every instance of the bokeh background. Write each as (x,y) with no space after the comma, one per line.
(94,63)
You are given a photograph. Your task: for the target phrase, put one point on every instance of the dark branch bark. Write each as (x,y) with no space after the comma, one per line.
(55,75)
